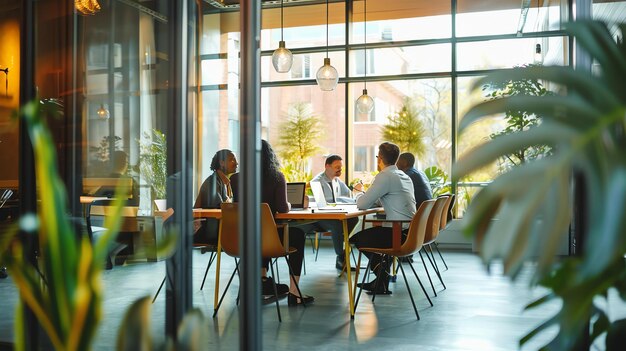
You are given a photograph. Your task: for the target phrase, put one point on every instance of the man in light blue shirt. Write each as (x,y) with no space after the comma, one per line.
(392,189)
(335,191)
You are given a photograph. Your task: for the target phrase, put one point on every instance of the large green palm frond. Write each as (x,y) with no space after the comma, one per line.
(586,128)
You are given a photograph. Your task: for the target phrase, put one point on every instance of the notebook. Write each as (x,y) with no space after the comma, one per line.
(320,200)
(295,195)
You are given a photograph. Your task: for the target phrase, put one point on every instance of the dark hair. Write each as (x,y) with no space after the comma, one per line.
(389,153)
(120,160)
(221,155)
(270,167)
(332,158)
(408,158)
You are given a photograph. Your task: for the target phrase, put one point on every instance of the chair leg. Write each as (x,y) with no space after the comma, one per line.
(433,263)
(421,285)
(409,290)
(277,276)
(211,259)
(427,273)
(236,270)
(159,290)
(356,272)
(317,245)
(294,281)
(441,256)
(275,292)
(367,270)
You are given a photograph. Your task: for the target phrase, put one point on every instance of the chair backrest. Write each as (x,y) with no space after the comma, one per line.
(271,245)
(417,229)
(432,227)
(444,213)
(229,229)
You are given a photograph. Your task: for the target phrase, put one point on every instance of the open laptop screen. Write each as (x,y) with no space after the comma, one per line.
(295,194)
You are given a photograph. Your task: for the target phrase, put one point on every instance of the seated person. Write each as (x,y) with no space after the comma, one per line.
(274,192)
(394,190)
(421,185)
(214,190)
(335,191)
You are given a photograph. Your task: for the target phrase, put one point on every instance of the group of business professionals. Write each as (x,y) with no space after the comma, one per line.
(398,187)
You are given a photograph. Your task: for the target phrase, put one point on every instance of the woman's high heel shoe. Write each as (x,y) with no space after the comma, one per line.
(294,300)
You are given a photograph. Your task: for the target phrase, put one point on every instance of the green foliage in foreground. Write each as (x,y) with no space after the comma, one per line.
(67,297)
(65,294)
(586,129)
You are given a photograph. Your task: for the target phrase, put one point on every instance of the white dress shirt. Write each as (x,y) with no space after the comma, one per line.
(392,189)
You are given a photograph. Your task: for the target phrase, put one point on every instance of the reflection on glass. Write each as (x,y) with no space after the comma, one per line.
(404,60)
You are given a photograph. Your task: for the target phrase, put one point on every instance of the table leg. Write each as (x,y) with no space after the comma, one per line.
(217,267)
(346,244)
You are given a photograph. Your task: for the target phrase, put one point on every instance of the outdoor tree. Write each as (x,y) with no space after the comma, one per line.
(406,129)
(432,98)
(299,140)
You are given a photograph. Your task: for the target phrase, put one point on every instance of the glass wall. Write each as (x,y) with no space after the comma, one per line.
(108,69)
(414,63)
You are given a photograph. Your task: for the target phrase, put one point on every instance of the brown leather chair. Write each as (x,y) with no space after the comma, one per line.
(271,245)
(432,231)
(444,222)
(413,243)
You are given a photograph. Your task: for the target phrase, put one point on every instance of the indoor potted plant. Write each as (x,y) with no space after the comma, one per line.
(152,164)
(585,127)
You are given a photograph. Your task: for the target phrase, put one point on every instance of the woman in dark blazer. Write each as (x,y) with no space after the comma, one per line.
(274,192)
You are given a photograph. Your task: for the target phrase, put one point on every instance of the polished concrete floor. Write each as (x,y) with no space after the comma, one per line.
(477,311)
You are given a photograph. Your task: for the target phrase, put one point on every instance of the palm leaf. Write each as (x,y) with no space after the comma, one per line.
(587,129)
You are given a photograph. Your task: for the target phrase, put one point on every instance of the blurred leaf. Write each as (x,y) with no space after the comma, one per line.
(616,337)
(531,203)
(192,335)
(134,332)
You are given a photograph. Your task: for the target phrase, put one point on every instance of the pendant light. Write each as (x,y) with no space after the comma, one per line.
(282,59)
(87,7)
(327,76)
(365,103)
(102,112)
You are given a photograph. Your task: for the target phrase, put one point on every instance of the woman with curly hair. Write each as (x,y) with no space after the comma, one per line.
(274,193)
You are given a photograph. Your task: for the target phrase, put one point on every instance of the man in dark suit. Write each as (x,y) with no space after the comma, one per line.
(421,185)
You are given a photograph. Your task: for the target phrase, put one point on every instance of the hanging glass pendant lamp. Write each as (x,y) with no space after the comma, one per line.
(282,59)
(365,103)
(327,76)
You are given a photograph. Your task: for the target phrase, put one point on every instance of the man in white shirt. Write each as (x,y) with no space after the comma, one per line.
(335,191)
(392,189)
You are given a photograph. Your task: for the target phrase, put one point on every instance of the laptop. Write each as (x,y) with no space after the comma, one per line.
(296,194)
(320,200)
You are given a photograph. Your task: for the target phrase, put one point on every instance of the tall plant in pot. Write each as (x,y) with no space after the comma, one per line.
(152,162)
(586,128)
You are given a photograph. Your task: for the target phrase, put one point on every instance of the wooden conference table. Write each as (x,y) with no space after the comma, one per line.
(311,214)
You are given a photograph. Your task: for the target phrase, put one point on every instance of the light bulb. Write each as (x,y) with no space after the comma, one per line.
(365,103)
(102,112)
(282,59)
(327,76)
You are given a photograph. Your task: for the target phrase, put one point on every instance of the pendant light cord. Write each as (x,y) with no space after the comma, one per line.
(365,42)
(281,20)
(326,28)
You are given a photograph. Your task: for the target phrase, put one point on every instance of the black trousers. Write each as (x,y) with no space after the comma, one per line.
(296,240)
